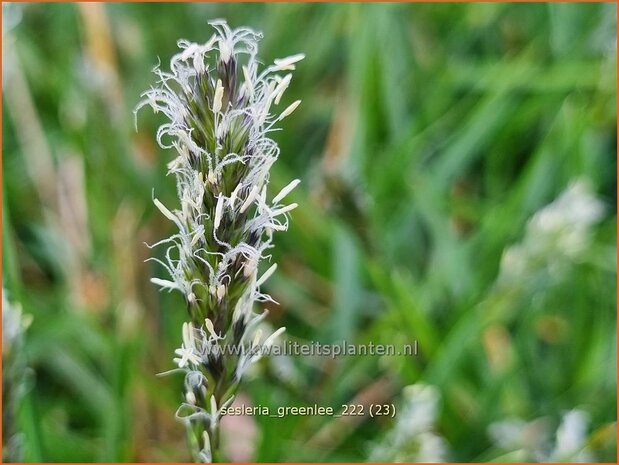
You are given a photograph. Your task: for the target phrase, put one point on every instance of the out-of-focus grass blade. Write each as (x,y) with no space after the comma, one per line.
(472,137)
(10,268)
(347,287)
(30,421)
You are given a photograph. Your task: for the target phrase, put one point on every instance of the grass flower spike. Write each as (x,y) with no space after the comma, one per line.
(221,107)
(16,376)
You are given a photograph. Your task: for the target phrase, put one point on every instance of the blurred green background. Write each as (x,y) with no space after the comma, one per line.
(430,140)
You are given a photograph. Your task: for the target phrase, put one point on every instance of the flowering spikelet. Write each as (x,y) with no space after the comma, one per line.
(557,235)
(414,437)
(221,107)
(537,441)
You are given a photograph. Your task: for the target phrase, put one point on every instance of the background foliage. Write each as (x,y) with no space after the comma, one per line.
(428,136)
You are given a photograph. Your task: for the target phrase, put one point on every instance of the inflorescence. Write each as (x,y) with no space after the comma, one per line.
(221,108)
